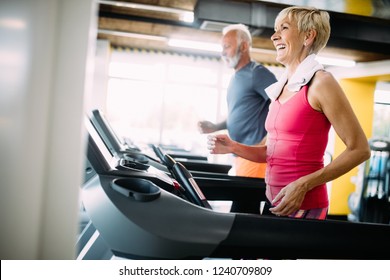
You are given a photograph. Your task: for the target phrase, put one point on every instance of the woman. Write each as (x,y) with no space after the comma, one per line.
(306,102)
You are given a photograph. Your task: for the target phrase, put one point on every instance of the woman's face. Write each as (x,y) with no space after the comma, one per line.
(288,42)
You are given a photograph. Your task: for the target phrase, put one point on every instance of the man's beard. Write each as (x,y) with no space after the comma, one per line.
(233,61)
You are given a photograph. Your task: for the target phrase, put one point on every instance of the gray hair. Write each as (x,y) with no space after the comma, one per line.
(243,34)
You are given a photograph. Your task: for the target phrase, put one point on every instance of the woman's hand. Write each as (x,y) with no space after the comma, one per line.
(290,199)
(219,144)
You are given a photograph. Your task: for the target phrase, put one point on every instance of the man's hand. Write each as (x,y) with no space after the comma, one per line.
(206,127)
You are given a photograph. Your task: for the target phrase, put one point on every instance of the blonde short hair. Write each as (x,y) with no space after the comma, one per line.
(243,34)
(309,18)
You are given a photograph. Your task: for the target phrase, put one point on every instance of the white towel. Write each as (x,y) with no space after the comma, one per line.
(305,71)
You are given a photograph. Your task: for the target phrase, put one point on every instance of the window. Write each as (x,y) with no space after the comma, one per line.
(156,97)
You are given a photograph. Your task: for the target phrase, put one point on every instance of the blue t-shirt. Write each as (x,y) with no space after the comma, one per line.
(248,103)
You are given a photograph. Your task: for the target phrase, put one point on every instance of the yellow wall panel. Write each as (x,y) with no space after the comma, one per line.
(360,93)
(360,7)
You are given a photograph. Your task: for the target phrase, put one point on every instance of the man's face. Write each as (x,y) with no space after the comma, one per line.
(230,49)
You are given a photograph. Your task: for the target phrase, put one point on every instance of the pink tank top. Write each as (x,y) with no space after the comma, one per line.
(296,142)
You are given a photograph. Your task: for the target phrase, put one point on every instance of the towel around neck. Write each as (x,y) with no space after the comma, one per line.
(303,74)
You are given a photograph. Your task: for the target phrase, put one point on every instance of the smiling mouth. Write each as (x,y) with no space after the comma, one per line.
(280,47)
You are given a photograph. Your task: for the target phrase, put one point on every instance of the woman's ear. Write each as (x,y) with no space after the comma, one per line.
(309,37)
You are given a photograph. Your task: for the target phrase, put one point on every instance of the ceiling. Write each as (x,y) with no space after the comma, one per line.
(360,28)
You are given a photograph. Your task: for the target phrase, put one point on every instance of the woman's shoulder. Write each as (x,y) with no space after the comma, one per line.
(322,77)
(323,88)
(323,81)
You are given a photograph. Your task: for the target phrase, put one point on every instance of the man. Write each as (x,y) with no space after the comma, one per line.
(246,99)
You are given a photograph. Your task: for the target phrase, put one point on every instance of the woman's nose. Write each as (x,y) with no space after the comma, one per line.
(274,36)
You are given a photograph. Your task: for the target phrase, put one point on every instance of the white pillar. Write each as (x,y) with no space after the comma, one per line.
(46,52)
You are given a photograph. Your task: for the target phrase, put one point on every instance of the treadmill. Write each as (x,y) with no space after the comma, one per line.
(212,178)
(144,214)
(180,153)
(189,160)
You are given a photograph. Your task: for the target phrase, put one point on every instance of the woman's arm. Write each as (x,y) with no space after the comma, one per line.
(222,144)
(327,96)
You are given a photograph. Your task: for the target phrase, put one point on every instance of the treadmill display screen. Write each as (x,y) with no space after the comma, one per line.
(107,158)
(106,132)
